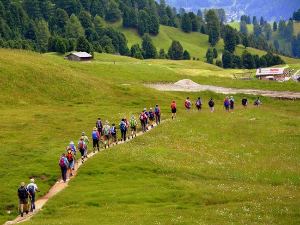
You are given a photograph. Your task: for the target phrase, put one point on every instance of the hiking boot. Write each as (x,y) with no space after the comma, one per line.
(26,211)
(104,146)
(128,138)
(132,136)
(98,149)
(151,126)
(71,174)
(135,135)
(116,143)
(121,139)
(172,117)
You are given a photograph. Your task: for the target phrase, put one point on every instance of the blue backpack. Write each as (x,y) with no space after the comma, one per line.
(156,110)
(225,103)
(122,126)
(94,134)
(151,114)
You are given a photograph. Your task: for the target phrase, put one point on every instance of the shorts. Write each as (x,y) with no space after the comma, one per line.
(114,137)
(71,164)
(133,128)
(151,118)
(106,137)
(227,107)
(198,106)
(173,110)
(24,201)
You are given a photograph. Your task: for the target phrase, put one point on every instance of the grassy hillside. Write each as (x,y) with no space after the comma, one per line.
(204,168)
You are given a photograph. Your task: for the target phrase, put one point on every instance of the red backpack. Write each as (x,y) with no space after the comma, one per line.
(69,156)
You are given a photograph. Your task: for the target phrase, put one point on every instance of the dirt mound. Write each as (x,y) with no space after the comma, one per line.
(186,82)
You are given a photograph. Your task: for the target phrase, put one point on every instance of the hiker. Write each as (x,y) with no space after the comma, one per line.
(157,114)
(257,102)
(244,101)
(71,158)
(99,126)
(127,128)
(106,133)
(86,140)
(187,104)
(74,150)
(173,107)
(23,194)
(211,104)
(198,104)
(63,163)
(113,131)
(143,121)
(226,104)
(231,102)
(147,116)
(133,126)
(81,147)
(32,188)
(122,126)
(96,137)
(151,117)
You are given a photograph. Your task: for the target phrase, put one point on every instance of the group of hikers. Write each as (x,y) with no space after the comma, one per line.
(228,104)
(107,136)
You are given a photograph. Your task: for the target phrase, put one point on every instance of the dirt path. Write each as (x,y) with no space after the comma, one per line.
(60,185)
(190,86)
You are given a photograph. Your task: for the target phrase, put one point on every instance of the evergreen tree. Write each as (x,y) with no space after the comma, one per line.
(202,29)
(219,63)
(295,46)
(169,13)
(85,20)
(229,39)
(268,30)
(175,51)
(209,55)
(281,27)
(70,6)
(222,15)
(226,59)
(276,44)
(61,18)
(254,21)
(60,46)
(257,30)
(199,13)
(289,30)
(74,28)
(138,55)
(186,55)
(32,8)
(274,26)
(262,22)
(143,22)
(135,48)
(31,32)
(162,54)
(215,53)
(236,62)
(245,42)
(154,27)
(247,60)
(213,27)
(96,8)
(186,24)
(99,25)
(148,47)
(83,45)
(244,28)
(113,12)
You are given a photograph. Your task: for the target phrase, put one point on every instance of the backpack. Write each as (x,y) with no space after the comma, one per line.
(98,124)
(106,130)
(122,126)
(132,123)
(187,103)
(211,103)
(31,189)
(69,156)
(198,103)
(226,103)
(157,111)
(94,134)
(142,116)
(173,105)
(113,130)
(62,162)
(22,191)
(151,114)
(256,102)
(80,145)
(231,102)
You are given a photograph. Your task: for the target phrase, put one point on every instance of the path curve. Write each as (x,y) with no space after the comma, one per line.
(190,86)
(60,185)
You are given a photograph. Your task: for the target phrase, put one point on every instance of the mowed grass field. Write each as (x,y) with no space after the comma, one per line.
(204,168)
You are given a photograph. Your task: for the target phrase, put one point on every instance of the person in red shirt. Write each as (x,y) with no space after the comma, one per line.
(173,107)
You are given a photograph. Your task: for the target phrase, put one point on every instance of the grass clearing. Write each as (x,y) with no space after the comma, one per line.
(200,168)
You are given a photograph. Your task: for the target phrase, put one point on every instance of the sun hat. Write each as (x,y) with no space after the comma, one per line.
(145,108)
(32,180)
(95,128)
(106,122)
(83,133)
(71,143)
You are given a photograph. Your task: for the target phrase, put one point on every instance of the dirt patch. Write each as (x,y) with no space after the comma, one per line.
(190,86)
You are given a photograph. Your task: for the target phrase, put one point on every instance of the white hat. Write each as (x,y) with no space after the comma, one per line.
(71,143)
(106,122)
(32,180)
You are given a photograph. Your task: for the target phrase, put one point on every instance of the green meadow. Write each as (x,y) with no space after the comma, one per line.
(200,168)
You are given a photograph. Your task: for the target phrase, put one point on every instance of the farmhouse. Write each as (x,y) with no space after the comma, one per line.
(79,57)
(270,73)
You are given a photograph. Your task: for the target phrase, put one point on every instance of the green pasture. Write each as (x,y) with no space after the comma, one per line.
(201,168)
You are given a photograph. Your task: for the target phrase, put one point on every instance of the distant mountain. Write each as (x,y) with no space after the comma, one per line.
(268,9)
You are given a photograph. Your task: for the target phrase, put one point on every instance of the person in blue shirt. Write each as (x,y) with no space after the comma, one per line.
(231,102)
(198,103)
(63,162)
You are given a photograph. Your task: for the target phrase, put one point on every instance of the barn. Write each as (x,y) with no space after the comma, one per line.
(270,73)
(79,57)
